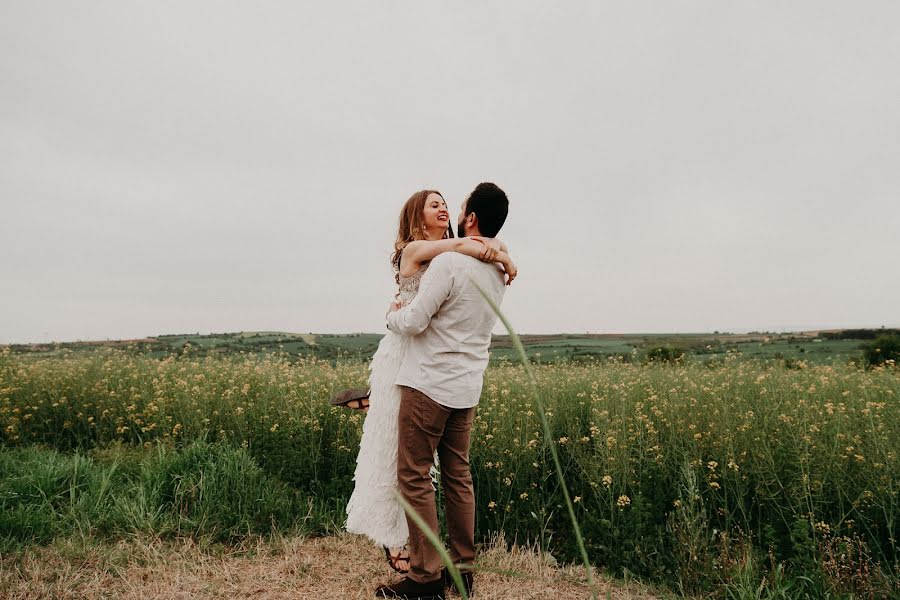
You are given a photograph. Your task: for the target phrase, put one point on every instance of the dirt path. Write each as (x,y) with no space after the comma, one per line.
(343,567)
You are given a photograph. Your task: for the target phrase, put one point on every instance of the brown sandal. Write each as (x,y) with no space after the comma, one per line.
(394,561)
(353,399)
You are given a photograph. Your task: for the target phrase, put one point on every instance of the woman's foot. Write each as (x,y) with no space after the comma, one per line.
(355,399)
(398,558)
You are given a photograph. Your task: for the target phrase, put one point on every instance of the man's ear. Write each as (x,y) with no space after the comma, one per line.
(471,221)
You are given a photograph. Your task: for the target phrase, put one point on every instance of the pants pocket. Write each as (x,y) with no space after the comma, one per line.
(430,415)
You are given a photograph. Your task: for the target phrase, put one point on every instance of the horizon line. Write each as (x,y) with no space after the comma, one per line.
(735,331)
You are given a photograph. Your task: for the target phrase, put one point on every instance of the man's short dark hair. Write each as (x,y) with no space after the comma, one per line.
(490,205)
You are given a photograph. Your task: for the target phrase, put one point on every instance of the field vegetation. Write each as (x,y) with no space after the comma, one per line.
(728,478)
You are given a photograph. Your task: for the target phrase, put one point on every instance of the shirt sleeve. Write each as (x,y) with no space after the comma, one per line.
(434,289)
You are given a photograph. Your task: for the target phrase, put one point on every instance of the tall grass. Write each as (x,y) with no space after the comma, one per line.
(700,476)
(211,492)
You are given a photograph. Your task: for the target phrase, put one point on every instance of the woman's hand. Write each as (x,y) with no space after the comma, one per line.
(512,271)
(492,247)
(495,251)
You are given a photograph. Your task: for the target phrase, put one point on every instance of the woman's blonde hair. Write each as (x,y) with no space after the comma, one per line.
(412,225)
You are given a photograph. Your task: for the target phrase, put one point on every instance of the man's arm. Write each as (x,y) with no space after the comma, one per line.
(434,289)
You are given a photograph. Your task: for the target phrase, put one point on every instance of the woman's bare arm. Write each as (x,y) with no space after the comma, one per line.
(419,251)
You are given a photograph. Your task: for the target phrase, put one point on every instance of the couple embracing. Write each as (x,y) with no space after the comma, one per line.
(425,384)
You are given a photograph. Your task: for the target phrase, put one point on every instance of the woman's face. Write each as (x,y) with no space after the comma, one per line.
(435,214)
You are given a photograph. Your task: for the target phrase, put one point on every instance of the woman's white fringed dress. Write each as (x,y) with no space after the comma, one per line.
(373,510)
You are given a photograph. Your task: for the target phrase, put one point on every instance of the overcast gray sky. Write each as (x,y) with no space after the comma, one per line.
(173,167)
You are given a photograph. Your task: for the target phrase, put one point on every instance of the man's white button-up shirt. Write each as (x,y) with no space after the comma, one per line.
(450,323)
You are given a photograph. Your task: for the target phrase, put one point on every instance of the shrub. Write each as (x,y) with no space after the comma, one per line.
(668,354)
(885,348)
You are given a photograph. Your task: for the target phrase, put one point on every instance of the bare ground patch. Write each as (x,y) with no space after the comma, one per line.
(342,567)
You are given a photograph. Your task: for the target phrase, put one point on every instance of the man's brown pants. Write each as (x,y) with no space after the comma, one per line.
(425,426)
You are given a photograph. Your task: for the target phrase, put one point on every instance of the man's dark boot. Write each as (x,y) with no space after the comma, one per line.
(412,590)
(468,580)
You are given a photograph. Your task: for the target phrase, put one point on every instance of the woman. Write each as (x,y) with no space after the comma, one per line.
(373,510)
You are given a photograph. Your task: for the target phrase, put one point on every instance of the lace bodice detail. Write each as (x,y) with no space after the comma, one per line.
(409,286)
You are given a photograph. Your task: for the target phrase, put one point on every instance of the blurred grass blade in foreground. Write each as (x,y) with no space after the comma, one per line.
(548,434)
(436,542)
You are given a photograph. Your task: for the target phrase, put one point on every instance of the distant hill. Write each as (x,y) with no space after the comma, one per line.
(821,346)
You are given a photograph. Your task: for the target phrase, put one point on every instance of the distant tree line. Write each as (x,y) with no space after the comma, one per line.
(858,334)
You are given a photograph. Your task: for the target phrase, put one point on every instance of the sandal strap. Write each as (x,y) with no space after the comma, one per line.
(394,560)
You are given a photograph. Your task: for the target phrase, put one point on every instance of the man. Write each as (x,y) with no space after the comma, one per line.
(441,379)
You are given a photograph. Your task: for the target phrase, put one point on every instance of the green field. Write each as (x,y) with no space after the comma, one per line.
(725,478)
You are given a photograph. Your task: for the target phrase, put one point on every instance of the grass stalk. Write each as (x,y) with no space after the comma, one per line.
(548,434)
(436,542)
